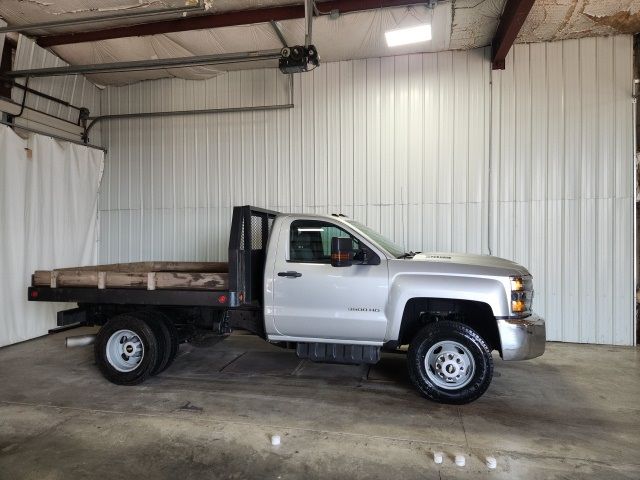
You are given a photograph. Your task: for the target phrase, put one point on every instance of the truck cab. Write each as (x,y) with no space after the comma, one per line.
(382,298)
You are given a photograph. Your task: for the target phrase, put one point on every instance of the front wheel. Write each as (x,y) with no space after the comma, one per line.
(450,363)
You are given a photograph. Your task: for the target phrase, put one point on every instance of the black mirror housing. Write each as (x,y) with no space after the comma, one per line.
(341,252)
(365,256)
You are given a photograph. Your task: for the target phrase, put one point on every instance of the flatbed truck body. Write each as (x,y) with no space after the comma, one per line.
(327,286)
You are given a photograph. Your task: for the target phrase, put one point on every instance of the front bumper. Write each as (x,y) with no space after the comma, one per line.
(522,338)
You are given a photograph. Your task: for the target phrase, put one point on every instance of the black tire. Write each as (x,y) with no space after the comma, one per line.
(163,338)
(143,370)
(464,335)
(174,340)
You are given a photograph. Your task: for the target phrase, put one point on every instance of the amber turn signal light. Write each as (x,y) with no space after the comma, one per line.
(518,306)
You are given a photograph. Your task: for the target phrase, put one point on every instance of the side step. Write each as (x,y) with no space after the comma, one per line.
(339,353)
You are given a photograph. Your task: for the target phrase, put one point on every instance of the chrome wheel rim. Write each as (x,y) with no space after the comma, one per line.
(125,350)
(449,365)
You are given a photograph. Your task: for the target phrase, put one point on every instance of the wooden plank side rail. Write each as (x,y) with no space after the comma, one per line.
(205,267)
(140,275)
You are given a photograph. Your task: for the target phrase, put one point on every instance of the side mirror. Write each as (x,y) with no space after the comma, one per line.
(365,256)
(341,252)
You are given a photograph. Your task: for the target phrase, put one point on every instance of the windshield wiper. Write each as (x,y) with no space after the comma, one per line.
(408,255)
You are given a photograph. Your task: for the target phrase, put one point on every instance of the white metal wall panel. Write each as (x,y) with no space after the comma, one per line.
(382,140)
(561,196)
(75,89)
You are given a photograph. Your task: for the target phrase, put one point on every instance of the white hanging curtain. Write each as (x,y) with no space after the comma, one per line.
(48,219)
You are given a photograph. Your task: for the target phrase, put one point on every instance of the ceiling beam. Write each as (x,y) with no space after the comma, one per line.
(513,17)
(217,20)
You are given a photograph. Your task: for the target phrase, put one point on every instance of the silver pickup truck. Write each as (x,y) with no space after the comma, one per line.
(327,286)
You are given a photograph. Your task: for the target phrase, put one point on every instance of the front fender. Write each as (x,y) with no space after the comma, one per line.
(404,287)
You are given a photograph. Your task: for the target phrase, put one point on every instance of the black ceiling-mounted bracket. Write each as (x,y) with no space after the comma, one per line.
(83,115)
(301,58)
(298,58)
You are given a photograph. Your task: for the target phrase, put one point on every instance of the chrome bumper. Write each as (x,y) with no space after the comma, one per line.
(522,338)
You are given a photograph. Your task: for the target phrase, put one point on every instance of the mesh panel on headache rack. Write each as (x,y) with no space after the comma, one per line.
(256,232)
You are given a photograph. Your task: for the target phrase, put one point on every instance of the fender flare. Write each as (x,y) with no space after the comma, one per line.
(405,287)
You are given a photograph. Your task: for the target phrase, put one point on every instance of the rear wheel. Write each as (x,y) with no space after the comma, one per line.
(126,350)
(172,339)
(450,363)
(155,321)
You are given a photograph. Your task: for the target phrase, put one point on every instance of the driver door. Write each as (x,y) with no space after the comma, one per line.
(313,300)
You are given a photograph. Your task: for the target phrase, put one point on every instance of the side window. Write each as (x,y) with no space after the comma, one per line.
(310,240)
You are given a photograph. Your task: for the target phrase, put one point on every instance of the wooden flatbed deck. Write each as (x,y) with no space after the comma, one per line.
(211,276)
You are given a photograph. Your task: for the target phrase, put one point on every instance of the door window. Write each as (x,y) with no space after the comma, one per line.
(310,241)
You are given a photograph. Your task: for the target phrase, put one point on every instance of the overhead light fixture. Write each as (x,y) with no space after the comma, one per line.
(407,36)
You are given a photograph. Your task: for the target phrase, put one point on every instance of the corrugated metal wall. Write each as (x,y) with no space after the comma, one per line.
(403,144)
(382,140)
(562,182)
(75,89)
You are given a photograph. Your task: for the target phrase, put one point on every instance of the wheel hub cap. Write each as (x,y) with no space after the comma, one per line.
(125,350)
(449,365)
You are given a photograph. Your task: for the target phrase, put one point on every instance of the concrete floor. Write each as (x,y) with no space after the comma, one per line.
(573,413)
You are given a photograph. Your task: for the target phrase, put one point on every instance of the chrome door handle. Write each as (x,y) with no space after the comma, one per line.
(289,274)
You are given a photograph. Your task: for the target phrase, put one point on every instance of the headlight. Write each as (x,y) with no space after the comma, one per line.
(517,284)
(521,295)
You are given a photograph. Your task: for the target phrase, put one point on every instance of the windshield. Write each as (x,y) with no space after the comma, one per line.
(391,247)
